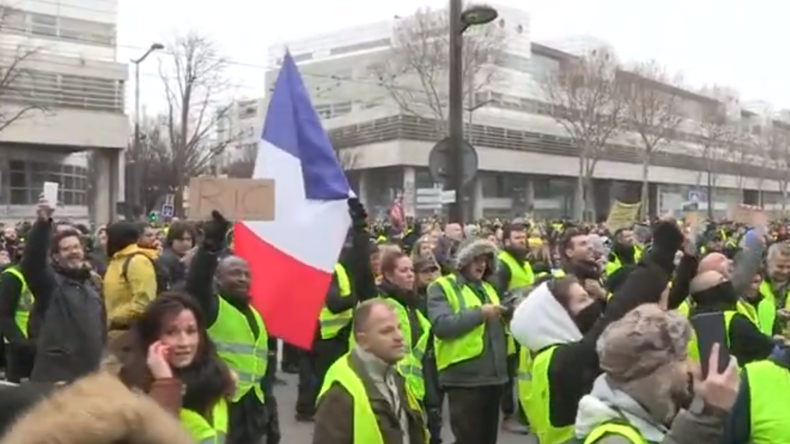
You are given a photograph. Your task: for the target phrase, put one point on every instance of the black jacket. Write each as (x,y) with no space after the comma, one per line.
(68,319)
(170,263)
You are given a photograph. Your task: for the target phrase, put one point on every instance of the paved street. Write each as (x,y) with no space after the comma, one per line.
(300,433)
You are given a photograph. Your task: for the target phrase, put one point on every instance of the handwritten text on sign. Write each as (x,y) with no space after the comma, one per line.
(236,199)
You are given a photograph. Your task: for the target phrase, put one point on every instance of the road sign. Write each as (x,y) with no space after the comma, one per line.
(429,199)
(167,210)
(439,161)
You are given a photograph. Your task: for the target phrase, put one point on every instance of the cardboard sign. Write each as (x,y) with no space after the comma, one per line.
(744,213)
(236,199)
(622,215)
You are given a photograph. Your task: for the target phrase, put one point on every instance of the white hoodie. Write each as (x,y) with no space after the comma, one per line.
(541,321)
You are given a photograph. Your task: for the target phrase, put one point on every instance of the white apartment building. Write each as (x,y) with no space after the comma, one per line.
(526,160)
(68,70)
(241,127)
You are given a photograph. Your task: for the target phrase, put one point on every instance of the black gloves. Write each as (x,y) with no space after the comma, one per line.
(215,232)
(359,217)
(667,240)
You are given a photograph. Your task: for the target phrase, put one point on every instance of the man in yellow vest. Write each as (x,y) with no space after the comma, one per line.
(624,251)
(221,287)
(644,394)
(363,399)
(514,277)
(16,303)
(470,343)
(760,415)
(773,298)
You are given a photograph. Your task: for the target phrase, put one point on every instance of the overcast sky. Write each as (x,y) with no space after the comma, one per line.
(726,42)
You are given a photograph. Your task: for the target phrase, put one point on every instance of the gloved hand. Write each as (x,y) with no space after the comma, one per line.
(359,217)
(272,421)
(215,232)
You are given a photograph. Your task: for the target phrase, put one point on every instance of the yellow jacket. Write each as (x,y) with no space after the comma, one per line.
(126,298)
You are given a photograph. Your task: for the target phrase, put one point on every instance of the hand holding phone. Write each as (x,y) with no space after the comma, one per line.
(711,333)
(718,388)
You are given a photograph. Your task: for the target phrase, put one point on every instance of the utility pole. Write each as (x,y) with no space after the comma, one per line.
(137,169)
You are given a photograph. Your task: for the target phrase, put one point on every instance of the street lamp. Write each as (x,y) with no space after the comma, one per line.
(460,21)
(136,176)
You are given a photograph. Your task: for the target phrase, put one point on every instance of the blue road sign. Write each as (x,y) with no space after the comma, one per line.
(167,210)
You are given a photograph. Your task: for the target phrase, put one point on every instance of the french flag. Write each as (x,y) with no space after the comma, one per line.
(292,258)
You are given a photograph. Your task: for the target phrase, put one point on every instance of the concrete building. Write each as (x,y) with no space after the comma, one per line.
(63,53)
(241,127)
(527,161)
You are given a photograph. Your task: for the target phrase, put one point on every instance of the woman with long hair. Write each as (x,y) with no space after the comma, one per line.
(170,344)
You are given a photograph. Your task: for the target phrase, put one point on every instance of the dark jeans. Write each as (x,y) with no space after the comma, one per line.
(313,366)
(474,413)
(19,363)
(508,402)
(290,356)
(434,398)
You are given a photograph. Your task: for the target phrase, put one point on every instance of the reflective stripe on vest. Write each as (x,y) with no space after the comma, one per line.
(769,387)
(366,426)
(693,346)
(199,428)
(330,323)
(236,345)
(610,428)
(537,403)
(524,375)
(470,345)
(26,299)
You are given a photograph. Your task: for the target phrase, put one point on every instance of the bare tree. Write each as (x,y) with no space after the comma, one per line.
(586,100)
(717,138)
(25,90)
(244,165)
(415,71)
(194,81)
(347,158)
(653,111)
(149,169)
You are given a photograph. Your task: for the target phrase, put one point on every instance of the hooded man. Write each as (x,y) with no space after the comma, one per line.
(559,322)
(470,343)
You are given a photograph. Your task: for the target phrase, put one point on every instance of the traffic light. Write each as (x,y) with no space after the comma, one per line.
(152,216)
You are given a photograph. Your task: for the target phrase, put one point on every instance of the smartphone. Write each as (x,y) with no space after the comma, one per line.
(710,329)
(51,193)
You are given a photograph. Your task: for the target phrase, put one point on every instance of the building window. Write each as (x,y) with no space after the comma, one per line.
(360,46)
(67,28)
(46,25)
(86,31)
(26,181)
(67,90)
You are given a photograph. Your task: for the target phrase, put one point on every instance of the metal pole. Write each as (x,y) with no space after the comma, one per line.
(456,111)
(136,164)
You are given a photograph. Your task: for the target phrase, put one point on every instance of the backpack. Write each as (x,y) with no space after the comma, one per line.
(162,279)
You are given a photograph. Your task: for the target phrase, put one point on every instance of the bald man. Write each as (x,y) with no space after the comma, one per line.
(747,262)
(714,294)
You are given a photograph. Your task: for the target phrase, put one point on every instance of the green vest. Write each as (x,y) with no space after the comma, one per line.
(236,345)
(330,323)
(366,426)
(693,347)
(26,299)
(611,428)
(769,388)
(470,345)
(520,276)
(537,403)
(766,309)
(524,377)
(203,432)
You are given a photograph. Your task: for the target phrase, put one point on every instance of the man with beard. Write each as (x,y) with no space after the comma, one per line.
(624,252)
(514,276)
(68,318)
(238,332)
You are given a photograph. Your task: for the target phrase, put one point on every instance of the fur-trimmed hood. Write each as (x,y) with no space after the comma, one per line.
(97,409)
(469,251)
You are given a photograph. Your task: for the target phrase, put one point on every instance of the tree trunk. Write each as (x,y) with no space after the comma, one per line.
(645,187)
(710,195)
(578,207)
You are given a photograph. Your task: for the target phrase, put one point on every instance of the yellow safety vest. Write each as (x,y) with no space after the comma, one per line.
(26,299)
(524,376)
(769,386)
(766,309)
(749,311)
(470,345)
(693,346)
(520,277)
(203,432)
(537,403)
(247,356)
(612,428)
(615,264)
(331,323)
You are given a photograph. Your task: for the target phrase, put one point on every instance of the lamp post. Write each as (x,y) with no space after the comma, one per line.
(137,170)
(460,21)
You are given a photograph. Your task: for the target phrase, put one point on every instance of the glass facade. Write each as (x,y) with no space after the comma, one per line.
(25,181)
